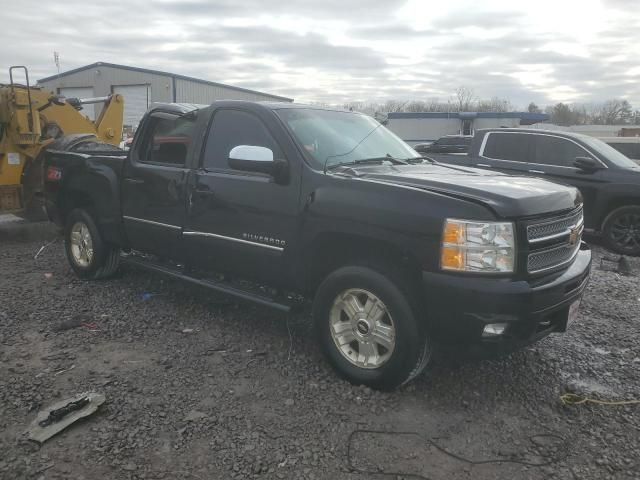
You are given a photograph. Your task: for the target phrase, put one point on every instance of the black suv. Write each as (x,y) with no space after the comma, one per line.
(447,144)
(609,181)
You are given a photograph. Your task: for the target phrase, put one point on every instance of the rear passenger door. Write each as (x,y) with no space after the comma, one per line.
(154,182)
(555,155)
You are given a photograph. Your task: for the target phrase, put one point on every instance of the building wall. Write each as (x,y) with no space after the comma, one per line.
(591,130)
(479,123)
(102,78)
(159,88)
(188,91)
(417,130)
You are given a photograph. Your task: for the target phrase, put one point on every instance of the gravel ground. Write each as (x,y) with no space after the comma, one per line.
(200,387)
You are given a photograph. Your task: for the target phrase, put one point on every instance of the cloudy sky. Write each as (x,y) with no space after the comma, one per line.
(339,50)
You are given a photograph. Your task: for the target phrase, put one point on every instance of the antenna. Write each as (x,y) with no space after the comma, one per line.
(56,60)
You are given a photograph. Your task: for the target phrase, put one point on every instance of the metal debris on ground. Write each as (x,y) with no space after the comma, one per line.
(619,265)
(44,247)
(79,320)
(60,415)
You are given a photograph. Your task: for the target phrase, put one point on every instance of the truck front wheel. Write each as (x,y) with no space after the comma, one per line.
(368,328)
(89,255)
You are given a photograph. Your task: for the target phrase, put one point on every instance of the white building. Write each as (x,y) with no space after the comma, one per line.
(140,87)
(423,127)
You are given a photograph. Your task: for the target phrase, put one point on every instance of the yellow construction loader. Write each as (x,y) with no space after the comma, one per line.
(30,119)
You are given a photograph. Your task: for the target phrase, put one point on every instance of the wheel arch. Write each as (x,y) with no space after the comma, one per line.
(614,204)
(331,250)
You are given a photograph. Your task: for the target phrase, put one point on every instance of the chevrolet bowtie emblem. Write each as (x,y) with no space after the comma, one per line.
(574,236)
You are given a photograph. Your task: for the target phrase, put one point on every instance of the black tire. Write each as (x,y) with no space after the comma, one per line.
(621,230)
(412,350)
(104,259)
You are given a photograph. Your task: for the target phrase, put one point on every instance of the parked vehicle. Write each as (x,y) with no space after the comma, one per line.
(609,181)
(447,144)
(628,146)
(397,253)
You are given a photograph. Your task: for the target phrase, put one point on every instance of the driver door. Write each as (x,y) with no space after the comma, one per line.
(241,222)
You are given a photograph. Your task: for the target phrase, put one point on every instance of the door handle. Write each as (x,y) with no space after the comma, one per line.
(135,181)
(483,165)
(190,202)
(540,172)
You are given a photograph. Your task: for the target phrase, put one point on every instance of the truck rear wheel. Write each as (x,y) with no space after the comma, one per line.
(368,328)
(621,230)
(89,255)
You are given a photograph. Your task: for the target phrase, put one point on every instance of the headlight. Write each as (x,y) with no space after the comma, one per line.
(469,246)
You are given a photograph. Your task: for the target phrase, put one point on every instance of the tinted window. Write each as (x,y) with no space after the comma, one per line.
(609,153)
(170,141)
(507,146)
(231,128)
(557,151)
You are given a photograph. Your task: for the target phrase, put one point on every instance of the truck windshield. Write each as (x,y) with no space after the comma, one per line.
(610,153)
(339,138)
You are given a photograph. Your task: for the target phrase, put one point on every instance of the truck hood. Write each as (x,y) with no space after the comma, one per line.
(508,196)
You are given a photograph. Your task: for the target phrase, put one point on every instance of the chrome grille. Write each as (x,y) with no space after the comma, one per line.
(551,257)
(541,232)
(554,242)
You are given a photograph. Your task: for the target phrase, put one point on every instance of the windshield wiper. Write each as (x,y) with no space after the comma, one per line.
(388,158)
(419,160)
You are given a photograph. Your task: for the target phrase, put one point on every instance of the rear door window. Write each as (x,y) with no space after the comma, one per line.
(557,151)
(170,140)
(507,146)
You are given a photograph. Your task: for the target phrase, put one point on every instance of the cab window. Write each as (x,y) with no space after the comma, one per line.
(557,151)
(169,141)
(231,128)
(507,146)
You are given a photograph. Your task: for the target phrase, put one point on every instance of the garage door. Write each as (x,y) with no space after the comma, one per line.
(81,92)
(136,102)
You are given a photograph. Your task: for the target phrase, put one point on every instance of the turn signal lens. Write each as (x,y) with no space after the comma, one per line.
(453,258)
(484,247)
(454,232)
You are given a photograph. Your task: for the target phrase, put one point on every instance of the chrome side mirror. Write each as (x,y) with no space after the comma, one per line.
(251,158)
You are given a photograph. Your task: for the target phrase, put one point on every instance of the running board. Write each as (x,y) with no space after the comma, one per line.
(221,287)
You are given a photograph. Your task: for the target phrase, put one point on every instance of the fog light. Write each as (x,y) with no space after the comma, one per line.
(494,329)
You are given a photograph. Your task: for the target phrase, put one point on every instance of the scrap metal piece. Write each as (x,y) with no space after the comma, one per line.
(60,415)
(619,265)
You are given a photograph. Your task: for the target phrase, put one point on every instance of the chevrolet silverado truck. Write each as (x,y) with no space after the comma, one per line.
(608,180)
(276,202)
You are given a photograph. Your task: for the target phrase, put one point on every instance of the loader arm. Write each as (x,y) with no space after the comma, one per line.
(108,126)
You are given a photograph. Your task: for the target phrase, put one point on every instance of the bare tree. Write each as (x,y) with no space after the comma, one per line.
(615,111)
(465,99)
(494,104)
(533,108)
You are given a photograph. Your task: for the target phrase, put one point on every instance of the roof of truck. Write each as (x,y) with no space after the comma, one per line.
(540,131)
(187,107)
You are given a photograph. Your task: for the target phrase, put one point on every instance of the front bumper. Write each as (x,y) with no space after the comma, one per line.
(459,307)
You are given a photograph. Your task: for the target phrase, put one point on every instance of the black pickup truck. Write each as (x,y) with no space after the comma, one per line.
(609,181)
(275,202)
